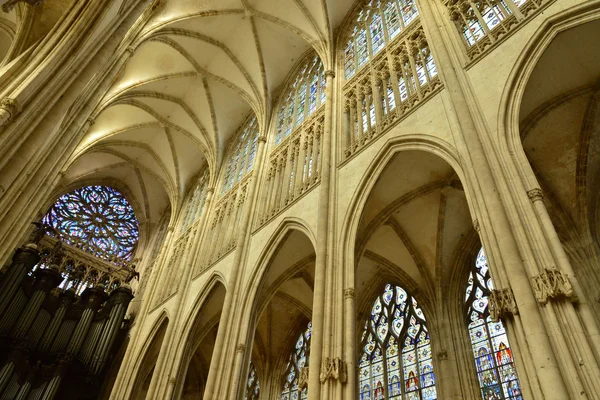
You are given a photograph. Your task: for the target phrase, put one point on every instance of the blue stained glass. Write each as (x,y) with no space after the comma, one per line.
(96,219)
(491,349)
(298,359)
(252,384)
(408,366)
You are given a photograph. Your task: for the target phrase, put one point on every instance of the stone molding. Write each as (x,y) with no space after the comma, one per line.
(552,284)
(303,378)
(502,304)
(333,368)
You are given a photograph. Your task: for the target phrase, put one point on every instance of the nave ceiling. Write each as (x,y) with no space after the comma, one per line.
(199,69)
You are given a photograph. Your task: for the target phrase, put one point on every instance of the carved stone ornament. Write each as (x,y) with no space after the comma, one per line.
(442,355)
(349,293)
(10,105)
(552,284)
(476,225)
(10,4)
(303,378)
(535,194)
(502,303)
(240,348)
(333,368)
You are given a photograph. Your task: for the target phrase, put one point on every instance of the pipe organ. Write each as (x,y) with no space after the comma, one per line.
(62,318)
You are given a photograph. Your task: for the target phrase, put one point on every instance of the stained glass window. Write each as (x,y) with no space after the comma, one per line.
(241,159)
(252,384)
(195,205)
(376,25)
(96,219)
(309,84)
(396,361)
(493,358)
(299,359)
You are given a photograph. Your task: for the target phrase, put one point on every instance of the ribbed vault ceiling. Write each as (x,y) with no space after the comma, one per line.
(198,70)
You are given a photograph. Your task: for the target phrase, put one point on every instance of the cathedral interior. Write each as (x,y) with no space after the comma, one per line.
(300,199)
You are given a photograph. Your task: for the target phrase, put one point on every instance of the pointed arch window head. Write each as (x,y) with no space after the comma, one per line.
(300,358)
(195,206)
(241,157)
(252,384)
(376,25)
(301,98)
(396,361)
(96,219)
(496,371)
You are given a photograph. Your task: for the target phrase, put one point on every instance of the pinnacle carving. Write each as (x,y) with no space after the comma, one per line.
(333,368)
(552,284)
(502,303)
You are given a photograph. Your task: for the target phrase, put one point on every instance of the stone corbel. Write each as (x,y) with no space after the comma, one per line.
(333,368)
(552,284)
(303,378)
(9,109)
(501,304)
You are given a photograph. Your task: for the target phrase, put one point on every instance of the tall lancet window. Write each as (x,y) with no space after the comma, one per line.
(241,156)
(396,353)
(98,220)
(252,384)
(300,358)
(493,357)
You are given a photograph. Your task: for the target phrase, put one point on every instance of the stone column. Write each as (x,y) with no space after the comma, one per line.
(322,256)
(492,209)
(226,332)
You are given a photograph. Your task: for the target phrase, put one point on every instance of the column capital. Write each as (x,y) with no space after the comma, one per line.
(262,139)
(330,73)
(535,194)
(333,368)
(9,108)
(476,225)
(349,293)
(552,284)
(442,355)
(502,304)
(240,348)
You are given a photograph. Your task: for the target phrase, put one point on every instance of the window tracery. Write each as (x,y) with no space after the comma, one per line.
(252,384)
(484,22)
(195,206)
(493,357)
(98,220)
(241,158)
(396,359)
(300,358)
(377,24)
(302,98)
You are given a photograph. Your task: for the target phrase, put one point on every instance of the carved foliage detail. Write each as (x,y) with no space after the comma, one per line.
(333,368)
(552,284)
(502,303)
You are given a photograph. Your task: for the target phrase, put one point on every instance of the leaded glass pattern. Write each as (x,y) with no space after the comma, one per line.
(396,360)
(376,25)
(496,371)
(252,384)
(195,206)
(302,98)
(98,220)
(241,159)
(299,358)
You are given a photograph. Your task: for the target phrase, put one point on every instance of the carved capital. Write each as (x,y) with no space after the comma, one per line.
(535,194)
(240,348)
(502,303)
(303,378)
(262,139)
(552,284)
(333,368)
(130,50)
(476,225)
(11,106)
(329,72)
(442,355)
(349,293)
